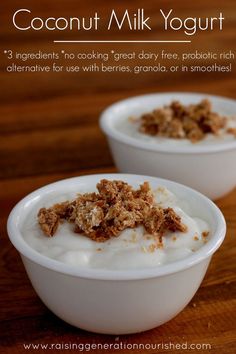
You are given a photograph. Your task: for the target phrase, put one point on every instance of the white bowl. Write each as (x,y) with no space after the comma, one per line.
(116,301)
(209,168)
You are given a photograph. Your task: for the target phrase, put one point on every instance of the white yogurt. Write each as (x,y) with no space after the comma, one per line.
(132,249)
(130,127)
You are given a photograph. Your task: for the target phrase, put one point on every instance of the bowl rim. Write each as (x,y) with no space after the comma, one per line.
(109,130)
(27,251)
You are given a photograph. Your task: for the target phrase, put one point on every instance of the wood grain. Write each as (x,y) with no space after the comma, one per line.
(49,130)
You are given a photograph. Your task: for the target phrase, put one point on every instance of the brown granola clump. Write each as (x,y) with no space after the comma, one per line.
(178,121)
(48,221)
(116,207)
(205,234)
(231,131)
(50,218)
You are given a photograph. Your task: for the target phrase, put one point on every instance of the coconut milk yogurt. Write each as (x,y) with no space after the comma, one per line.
(132,249)
(130,126)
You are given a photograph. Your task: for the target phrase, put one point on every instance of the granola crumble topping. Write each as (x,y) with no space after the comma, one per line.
(180,121)
(116,207)
(205,234)
(231,131)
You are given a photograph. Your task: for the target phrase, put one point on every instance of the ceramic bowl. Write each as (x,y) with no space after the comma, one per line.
(209,168)
(116,301)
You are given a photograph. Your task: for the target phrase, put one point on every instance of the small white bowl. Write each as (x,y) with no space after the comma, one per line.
(116,301)
(209,168)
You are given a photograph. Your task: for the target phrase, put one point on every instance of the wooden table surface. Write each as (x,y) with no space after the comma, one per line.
(49,130)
